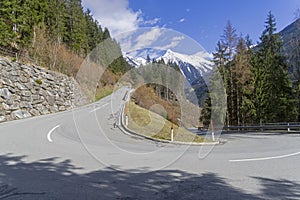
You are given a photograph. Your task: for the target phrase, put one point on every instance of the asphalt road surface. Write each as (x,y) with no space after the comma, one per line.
(80,155)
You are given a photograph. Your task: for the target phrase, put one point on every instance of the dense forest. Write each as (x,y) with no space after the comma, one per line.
(258,86)
(57,34)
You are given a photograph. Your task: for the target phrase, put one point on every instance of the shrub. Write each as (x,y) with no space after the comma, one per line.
(39,81)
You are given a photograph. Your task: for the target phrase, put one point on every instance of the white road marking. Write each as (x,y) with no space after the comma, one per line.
(50,132)
(266,158)
(99,108)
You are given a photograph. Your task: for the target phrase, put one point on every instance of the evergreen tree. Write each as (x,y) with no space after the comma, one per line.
(229,42)
(76,26)
(215,94)
(274,99)
(205,117)
(148,59)
(10,12)
(216,102)
(49,30)
(56,20)
(94,31)
(106,34)
(220,61)
(223,59)
(33,15)
(243,75)
(294,63)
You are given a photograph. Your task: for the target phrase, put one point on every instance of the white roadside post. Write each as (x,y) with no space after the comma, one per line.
(126,120)
(172,128)
(289,130)
(212,130)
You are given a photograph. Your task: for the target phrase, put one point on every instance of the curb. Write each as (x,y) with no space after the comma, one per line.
(131,133)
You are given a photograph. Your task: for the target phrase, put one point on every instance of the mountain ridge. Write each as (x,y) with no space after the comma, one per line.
(191,66)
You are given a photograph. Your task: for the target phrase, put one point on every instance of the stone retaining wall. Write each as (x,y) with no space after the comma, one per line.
(28,90)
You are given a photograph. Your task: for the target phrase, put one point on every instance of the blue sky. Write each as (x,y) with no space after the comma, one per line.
(203,21)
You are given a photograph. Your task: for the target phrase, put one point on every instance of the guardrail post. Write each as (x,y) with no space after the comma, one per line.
(289,130)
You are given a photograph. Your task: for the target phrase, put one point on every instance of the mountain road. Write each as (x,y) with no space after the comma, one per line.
(79,154)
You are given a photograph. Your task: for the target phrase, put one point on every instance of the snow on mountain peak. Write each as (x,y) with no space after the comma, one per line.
(200,60)
(192,66)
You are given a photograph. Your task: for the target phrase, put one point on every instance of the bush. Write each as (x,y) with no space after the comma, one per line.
(39,81)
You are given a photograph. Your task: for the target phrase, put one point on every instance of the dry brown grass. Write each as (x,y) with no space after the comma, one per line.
(54,55)
(185,114)
(153,125)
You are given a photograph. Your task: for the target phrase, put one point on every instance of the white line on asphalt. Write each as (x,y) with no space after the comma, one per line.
(50,132)
(99,107)
(266,158)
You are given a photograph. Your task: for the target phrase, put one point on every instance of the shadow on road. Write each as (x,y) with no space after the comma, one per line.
(279,189)
(51,179)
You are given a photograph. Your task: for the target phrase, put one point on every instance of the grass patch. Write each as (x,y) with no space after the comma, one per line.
(103,92)
(153,125)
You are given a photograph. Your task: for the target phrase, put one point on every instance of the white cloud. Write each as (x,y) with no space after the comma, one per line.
(156,38)
(181,20)
(114,14)
(148,38)
(152,21)
(125,41)
(174,42)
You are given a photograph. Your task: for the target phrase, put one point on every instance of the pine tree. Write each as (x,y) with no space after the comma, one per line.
(216,102)
(216,99)
(228,45)
(48,30)
(220,61)
(294,63)
(223,58)
(148,59)
(205,117)
(10,11)
(56,20)
(94,31)
(33,15)
(274,99)
(230,42)
(106,34)
(243,75)
(77,38)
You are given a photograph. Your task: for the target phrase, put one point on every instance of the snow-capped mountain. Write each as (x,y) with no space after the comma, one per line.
(139,57)
(196,68)
(192,66)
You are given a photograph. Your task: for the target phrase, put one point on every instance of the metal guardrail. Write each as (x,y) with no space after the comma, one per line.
(15,54)
(289,127)
(273,127)
(7,52)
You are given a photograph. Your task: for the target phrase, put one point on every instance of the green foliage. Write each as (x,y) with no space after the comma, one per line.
(291,37)
(39,81)
(256,81)
(275,100)
(60,27)
(168,118)
(206,111)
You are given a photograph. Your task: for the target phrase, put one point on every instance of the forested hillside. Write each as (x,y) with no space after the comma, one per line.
(259,87)
(56,34)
